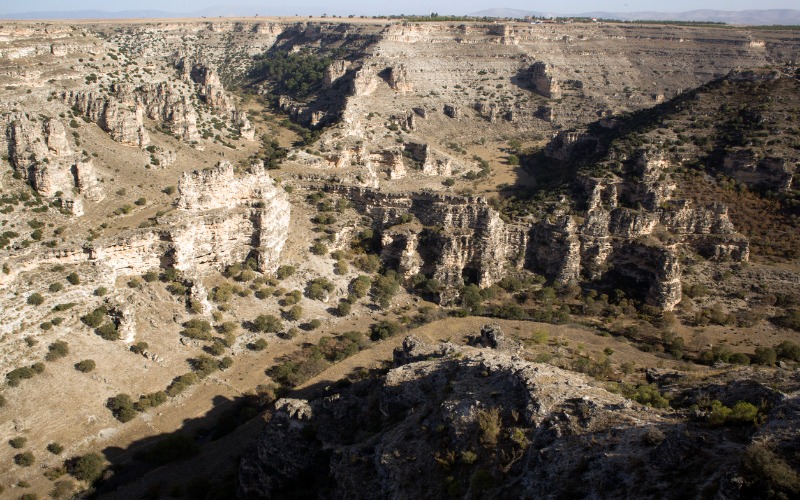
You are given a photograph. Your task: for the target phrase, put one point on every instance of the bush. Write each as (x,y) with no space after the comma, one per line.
(85,366)
(55,448)
(765,356)
(180,384)
(788,350)
(343,309)
(319,248)
(24,459)
(258,345)
(319,288)
(15,376)
(151,400)
(74,279)
(18,442)
(385,329)
(267,323)
(150,276)
(198,329)
(57,350)
(121,407)
(313,324)
(87,468)
(295,313)
(94,318)
(139,347)
(215,349)
(284,272)
(55,287)
(35,299)
(360,286)
(225,363)
(204,365)
(769,473)
(742,413)
(384,288)
(100,291)
(108,331)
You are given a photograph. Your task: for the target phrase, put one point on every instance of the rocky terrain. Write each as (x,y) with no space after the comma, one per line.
(203,216)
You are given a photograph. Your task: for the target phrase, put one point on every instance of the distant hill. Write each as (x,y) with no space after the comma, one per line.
(752,17)
(90,14)
(227,10)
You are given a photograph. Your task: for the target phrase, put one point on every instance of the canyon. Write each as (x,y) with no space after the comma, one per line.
(179,196)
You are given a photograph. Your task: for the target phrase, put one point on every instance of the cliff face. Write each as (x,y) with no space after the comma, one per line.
(40,152)
(224,219)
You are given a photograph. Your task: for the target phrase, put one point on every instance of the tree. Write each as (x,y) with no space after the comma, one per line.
(121,407)
(87,468)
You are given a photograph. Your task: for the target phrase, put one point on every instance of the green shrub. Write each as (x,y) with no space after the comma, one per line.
(55,448)
(95,318)
(225,363)
(35,299)
(150,276)
(198,329)
(151,400)
(139,347)
(24,459)
(360,286)
(15,376)
(18,442)
(765,356)
(57,350)
(108,331)
(319,288)
(55,287)
(284,272)
(100,291)
(73,278)
(85,366)
(384,288)
(295,313)
(385,329)
(344,308)
(121,407)
(788,350)
(204,365)
(180,384)
(267,323)
(87,468)
(258,345)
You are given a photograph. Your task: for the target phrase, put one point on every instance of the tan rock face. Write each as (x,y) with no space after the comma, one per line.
(226,218)
(42,153)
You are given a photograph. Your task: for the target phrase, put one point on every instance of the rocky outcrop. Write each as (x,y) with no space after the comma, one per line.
(399,80)
(224,218)
(41,152)
(172,109)
(543,82)
(437,402)
(123,123)
(761,172)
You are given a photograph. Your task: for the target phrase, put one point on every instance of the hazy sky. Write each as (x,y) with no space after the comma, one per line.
(360,7)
